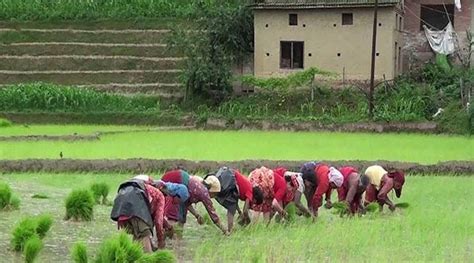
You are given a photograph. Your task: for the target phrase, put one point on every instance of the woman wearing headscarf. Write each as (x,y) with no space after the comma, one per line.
(381,183)
(295,190)
(274,191)
(318,182)
(201,191)
(352,188)
(172,204)
(235,186)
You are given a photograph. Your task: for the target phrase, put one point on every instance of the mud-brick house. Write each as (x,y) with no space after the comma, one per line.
(333,35)
(435,14)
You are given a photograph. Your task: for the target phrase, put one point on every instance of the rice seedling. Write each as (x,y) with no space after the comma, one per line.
(402,205)
(162,256)
(32,248)
(8,200)
(22,232)
(80,205)
(100,192)
(291,212)
(372,207)
(119,248)
(79,253)
(43,224)
(341,208)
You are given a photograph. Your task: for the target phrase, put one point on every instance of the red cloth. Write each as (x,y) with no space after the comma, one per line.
(279,187)
(157,207)
(172,177)
(245,187)
(280,171)
(348,191)
(322,180)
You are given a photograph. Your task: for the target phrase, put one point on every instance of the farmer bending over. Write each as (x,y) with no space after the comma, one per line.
(295,189)
(235,186)
(138,207)
(274,191)
(319,179)
(352,188)
(381,183)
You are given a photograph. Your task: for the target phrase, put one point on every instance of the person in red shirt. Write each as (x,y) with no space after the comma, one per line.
(352,188)
(319,182)
(235,187)
(274,192)
(172,206)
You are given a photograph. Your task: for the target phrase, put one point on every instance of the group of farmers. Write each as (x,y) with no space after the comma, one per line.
(143,204)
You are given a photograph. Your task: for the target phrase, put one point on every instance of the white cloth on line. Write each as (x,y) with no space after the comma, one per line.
(458,4)
(442,41)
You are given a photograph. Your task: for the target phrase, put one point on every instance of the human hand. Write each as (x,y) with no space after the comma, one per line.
(391,207)
(328,204)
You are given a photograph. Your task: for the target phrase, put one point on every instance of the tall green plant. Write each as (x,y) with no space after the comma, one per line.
(220,37)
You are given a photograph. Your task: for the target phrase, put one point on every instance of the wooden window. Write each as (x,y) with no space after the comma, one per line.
(293,19)
(400,27)
(347,19)
(435,16)
(291,54)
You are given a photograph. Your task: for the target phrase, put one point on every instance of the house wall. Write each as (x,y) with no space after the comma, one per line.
(324,37)
(416,49)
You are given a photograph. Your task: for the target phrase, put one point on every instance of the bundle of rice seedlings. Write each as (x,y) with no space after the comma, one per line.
(162,256)
(341,208)
(14,202)
(80,205)
(23,231)
(100,192)
(43,224)
(79,253)
(402,205)
(5,195)
(32,248)
(119,249)
(291,211)
(372,207)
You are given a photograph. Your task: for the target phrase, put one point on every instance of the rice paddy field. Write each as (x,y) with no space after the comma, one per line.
(437,226)
(237,145)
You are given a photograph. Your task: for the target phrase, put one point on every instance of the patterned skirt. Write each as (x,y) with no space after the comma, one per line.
(263,177)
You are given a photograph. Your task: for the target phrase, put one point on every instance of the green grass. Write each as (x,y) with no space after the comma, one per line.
(21,130)
(437,226)
(240,145)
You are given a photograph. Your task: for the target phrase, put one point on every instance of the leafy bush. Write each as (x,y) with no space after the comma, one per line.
(162,256)
(456,119)
(100,191)
(220,37)
(80,205)
(51,98)
(32,248)
(23,231)
(119,249)
(7,199)
(79,253)
(5,123)
(44,223)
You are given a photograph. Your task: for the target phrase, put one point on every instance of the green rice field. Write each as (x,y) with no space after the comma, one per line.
(238,145)
(436,227)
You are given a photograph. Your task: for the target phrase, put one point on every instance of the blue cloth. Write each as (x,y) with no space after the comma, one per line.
(178,190)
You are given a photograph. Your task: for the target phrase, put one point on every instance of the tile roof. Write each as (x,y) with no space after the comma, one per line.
(314,4)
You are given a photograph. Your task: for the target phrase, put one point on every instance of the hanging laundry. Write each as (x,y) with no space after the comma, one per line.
(443,41)
(458,4)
